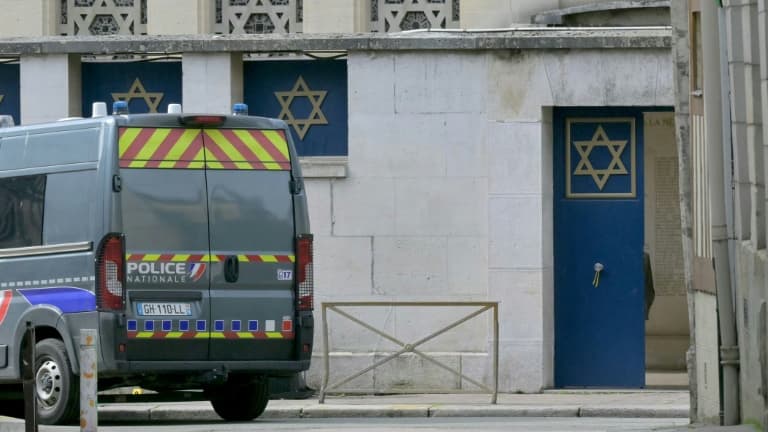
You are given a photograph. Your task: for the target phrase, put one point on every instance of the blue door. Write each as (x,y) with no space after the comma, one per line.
(598,248)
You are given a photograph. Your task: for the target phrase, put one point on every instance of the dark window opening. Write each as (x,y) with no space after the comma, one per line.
(22,200)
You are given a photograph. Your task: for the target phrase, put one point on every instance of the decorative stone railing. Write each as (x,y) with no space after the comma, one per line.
(129,17)
(102,17)
(400,15)
(258,16)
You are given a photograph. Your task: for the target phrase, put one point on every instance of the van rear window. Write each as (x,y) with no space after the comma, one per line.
(22,200)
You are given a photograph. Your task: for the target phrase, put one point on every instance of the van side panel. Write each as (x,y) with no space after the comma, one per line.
(49,276)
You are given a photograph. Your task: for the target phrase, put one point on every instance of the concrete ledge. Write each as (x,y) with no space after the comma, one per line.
(503,411)
(348,411)
(323,166)
(10,424)
(168,412)
(635,411)
(522,38)
(279,412)
(124,413)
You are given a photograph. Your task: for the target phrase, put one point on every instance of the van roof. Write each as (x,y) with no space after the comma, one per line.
(148,120)
(176,120)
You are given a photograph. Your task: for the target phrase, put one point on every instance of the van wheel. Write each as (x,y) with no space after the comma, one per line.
(240,399)
(57,387)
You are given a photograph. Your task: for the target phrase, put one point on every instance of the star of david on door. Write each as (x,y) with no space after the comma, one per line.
(604,153)
(315,97)
(137,91)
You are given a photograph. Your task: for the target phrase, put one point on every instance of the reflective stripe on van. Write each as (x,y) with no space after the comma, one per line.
(161,148)
(210,258)
(184,329)
(210,335)
(178,148)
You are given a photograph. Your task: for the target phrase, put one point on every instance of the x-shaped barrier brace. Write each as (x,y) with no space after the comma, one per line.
(411,348)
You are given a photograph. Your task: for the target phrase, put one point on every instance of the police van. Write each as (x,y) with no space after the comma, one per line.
(182,238)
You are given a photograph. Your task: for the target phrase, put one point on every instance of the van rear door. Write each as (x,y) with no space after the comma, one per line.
(165,220)
(252,235)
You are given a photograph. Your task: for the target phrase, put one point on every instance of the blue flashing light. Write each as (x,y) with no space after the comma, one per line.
(120,108)
(240,109)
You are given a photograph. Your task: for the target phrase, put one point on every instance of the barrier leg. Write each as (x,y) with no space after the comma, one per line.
(28,375)
(88,381)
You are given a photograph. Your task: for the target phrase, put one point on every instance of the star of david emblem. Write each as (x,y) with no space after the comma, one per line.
(600,175)
(137,91)
(315,97)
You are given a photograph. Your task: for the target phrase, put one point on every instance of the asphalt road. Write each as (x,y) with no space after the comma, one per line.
(486,424)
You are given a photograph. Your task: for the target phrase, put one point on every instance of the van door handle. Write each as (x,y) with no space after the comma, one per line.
(231,269)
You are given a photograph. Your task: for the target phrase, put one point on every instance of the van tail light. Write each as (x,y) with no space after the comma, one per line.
(305,284)
(110,273)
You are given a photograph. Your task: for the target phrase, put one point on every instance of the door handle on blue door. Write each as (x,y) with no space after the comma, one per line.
(231,269)
(598,268)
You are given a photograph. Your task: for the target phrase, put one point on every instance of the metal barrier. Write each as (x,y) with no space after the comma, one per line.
(410,347)
(89,386)
(28,356)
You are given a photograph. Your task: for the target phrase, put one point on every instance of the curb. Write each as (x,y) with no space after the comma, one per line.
(503,411)
(635,411)
(10,424)
(160,412)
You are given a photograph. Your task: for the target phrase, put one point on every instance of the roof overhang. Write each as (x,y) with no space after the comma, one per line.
(440,40)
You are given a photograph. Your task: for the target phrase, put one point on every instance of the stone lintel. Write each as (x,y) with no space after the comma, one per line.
(524,38)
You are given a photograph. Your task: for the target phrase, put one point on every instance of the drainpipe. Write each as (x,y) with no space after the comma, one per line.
(713,121)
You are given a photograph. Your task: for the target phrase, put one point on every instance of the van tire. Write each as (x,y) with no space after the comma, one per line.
(58,402)
(240,399)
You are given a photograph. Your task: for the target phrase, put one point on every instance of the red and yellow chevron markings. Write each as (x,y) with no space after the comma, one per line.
(161,148)
(167,335)
(212,335)
(265,258)
(246,149)
(231,149)
(251,335)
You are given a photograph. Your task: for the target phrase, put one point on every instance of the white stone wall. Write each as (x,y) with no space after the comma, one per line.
(27,18)
(449,197)
(50,87)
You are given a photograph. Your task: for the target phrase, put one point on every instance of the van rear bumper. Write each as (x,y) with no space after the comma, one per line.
(268,367)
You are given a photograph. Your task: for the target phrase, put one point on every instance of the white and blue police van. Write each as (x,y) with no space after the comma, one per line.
(183,239)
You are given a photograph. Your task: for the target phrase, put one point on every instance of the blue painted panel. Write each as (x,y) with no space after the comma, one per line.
(67,299)
(599,330)
(148,86)
(10,89)
(310,95)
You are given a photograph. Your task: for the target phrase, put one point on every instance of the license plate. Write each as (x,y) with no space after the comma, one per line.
(164,309)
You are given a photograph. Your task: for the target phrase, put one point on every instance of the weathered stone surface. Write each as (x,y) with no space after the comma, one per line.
(524,38)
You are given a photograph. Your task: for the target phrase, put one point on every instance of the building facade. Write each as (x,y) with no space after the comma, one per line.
(721,112)
(528,161)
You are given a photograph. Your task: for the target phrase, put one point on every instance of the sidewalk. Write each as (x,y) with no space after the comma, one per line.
(649,403)
(659,404)
(562,403)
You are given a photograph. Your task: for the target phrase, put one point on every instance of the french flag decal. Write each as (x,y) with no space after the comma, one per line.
(196,271)
(5,303)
